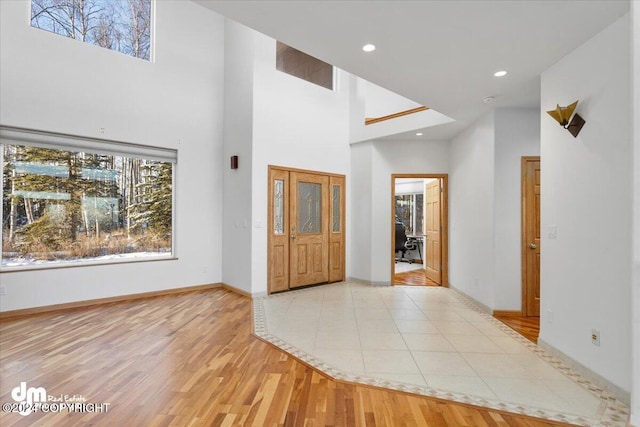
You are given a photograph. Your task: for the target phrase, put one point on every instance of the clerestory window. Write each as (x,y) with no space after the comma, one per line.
(303,66)
(121,25)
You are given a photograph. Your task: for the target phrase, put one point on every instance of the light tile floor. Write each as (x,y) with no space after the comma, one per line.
(431,341)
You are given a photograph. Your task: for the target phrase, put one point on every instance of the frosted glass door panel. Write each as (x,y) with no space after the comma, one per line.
(309,208)
(336,209)
(278,206)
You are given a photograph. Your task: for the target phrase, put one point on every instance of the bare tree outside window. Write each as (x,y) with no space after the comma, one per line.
(410,211)
(121,25)
(68,206)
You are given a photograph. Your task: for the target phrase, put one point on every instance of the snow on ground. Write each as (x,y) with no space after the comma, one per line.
(26,262)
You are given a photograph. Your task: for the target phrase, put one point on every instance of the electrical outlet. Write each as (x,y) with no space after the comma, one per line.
(549,316)
(595,337)
(3,290)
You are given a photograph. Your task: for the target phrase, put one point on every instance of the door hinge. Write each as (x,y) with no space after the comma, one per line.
(441,228)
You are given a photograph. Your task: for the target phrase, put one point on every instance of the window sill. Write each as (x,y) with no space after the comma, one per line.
(88,263)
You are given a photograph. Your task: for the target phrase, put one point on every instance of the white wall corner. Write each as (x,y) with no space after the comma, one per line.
(635,297)
(238,141)
(517,134)
(471,210)
(575,264)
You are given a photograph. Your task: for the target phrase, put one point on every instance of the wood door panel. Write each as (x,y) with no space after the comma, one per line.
(278,231)
(435,250)
(300,253)
(335,257)
(279,261)
(531,236)
(433,231)
(536,225)
(537,279)
(318,258)
(309,218)
(337,229)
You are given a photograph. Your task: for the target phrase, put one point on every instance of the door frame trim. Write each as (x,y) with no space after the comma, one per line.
(288,169)
(523,231)
(444,222)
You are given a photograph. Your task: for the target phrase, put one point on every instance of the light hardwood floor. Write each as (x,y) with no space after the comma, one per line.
(413,278)
(190,359)
(529,327)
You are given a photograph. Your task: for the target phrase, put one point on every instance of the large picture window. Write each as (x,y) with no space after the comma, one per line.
(121,25)
(83,200)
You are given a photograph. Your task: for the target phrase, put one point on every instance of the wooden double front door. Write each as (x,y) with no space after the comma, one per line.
(306,243)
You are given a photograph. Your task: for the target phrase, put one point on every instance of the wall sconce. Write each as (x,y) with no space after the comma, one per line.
(562,116)
(234,162)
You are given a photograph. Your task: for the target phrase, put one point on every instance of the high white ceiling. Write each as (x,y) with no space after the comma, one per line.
(441,54)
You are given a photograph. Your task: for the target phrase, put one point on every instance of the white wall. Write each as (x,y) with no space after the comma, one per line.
(517,134)
(635,301)
(485,205)
(387,158)
(295,124)
(471,211)
(586,193)
(420,120)
(362,96)
(381,102)
(238,140)
(361,207)
(410,185)
(53,83)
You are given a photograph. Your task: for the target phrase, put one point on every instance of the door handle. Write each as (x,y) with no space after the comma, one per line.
(533,246)
(293,236)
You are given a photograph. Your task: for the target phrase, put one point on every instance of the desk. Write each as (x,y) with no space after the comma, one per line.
(419,240)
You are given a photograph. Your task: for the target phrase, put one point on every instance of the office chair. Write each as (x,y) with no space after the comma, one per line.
(402,245)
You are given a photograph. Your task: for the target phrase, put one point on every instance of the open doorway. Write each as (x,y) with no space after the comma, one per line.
(419,229)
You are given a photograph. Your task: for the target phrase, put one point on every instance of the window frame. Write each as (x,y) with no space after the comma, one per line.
(413,215)
(57,141)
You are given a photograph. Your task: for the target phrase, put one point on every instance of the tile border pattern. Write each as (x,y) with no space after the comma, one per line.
(613,412)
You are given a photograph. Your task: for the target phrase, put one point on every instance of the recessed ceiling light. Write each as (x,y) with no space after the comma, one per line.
(369,47)
(418,133)
(500,73)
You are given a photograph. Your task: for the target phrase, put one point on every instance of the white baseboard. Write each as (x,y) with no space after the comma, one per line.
(621,394)
(243,292)
(368,282)
(484,308)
